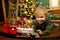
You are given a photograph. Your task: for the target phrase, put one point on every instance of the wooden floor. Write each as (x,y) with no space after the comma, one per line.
(54,34)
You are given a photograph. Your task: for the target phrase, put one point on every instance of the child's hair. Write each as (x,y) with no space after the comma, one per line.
(41,8)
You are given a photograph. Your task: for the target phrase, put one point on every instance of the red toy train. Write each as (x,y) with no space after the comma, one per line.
(9,28)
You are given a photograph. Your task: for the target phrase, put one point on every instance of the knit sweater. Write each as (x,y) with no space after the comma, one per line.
(46,27)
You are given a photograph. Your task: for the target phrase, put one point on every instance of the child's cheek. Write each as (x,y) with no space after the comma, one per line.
(40,20)
(43,19)
(37,18)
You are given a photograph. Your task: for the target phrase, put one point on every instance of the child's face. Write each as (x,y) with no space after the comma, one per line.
(40,17)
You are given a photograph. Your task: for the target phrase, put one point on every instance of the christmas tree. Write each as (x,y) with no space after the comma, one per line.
(25,7)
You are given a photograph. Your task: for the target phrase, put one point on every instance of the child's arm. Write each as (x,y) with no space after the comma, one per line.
(35,26)
(48,29)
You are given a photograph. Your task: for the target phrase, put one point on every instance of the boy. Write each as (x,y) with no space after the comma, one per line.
(42,24)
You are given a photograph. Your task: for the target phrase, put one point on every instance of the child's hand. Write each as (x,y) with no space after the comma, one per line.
(39,32)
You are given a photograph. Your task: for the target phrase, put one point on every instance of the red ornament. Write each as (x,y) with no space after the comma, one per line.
(23,21)
(18,22)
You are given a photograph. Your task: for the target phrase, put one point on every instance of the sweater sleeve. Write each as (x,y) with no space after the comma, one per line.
(35,26)
(49,28)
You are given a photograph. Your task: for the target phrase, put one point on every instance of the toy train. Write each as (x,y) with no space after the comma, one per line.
(19,26)
(14,30)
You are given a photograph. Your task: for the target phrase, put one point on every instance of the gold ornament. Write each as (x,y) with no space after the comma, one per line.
(25,12)
(31,1)
(26,0)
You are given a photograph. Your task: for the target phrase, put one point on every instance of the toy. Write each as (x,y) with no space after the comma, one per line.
(19,26)
(5,28)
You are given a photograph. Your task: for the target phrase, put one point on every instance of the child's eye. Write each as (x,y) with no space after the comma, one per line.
(41,17)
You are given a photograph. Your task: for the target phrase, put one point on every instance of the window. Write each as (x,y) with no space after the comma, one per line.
(54,3)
